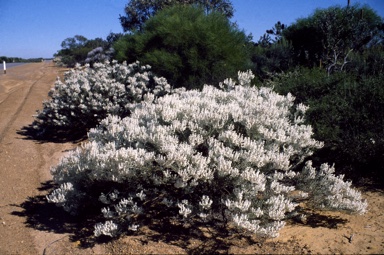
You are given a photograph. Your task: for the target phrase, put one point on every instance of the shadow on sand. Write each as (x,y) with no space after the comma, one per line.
(44,216)
(212,239)
(54,136)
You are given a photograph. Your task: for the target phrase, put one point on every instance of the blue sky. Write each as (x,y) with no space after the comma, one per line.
(36,28)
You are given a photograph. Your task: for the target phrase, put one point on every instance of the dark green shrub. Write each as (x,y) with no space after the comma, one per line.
(347,113)
(368,62)
(272,58)
(188,47)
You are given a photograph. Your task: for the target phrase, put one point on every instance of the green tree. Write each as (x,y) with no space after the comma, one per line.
(271,58)
(272,53)
(370,62)
(74,42)
(328,36)
(139,11)
(188,47)
(75,49)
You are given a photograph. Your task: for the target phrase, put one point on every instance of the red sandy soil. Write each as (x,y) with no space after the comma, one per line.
(29,225)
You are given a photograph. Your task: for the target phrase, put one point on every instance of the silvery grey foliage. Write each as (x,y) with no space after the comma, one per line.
(107,228)
(338,195)
(98,55)
(220,155)
(88,95)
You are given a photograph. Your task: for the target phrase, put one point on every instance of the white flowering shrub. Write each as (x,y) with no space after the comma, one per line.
(88,95)
(96,55)
(99,55)
(216,155)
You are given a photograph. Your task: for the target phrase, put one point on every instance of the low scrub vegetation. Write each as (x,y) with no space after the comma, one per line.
(217,155)
(240,154)
(88,95)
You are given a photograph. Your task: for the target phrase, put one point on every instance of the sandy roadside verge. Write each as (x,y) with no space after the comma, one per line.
(24,163)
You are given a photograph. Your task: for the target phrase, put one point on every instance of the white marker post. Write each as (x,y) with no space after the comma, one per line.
(4,67)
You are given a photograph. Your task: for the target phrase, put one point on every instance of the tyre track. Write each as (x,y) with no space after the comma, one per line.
(21,105)
(24,163)
(24,167)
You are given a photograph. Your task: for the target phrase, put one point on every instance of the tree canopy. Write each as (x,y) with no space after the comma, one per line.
(76,49)
(187,46)
(329,35)
(139,11)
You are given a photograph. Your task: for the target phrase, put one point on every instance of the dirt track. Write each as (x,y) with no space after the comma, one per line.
(28,225)
(24,163)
